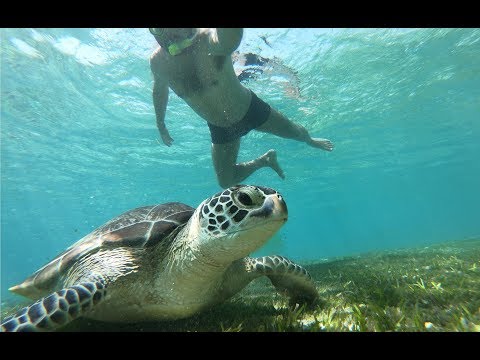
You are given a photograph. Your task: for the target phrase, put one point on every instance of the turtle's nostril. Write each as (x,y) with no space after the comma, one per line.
(282,203)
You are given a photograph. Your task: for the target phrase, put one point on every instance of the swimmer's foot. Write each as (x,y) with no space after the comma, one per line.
(270,158)
(323,144)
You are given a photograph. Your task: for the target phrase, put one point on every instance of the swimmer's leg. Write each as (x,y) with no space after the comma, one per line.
(230,173)
(278,124)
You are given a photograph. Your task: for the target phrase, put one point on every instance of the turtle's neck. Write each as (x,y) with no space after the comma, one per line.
(189,254)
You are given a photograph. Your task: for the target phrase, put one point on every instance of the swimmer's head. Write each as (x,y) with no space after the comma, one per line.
(175,40)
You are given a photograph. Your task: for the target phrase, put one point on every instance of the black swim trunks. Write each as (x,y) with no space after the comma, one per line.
(256,115)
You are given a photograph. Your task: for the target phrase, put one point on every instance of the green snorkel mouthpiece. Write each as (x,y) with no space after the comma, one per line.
(177,48)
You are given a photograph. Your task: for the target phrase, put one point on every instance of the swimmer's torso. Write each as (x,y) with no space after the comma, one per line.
(207,83)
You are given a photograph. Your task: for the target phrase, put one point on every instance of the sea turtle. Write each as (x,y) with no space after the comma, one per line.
(166,261)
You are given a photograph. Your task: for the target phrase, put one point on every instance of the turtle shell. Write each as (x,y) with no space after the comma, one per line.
(142,227)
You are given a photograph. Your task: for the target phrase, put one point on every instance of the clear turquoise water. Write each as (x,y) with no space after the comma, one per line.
(79,143)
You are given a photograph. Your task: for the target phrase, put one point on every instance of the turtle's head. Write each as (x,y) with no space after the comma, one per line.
(239,220)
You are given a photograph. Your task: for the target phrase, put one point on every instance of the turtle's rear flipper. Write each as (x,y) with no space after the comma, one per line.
(57,309)
(289,279)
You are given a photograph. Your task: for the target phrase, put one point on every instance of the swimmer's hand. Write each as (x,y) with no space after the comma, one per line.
(166,138)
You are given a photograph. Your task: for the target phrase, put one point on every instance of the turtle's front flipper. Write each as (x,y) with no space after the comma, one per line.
(288,278)
(57,309)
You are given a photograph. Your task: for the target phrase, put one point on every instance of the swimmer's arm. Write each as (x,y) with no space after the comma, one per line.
(160,100)
(224,41)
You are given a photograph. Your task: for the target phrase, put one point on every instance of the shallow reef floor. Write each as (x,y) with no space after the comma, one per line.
(427,289)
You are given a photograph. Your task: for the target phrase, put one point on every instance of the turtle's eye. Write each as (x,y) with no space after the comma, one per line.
(245,199)
(248,197)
